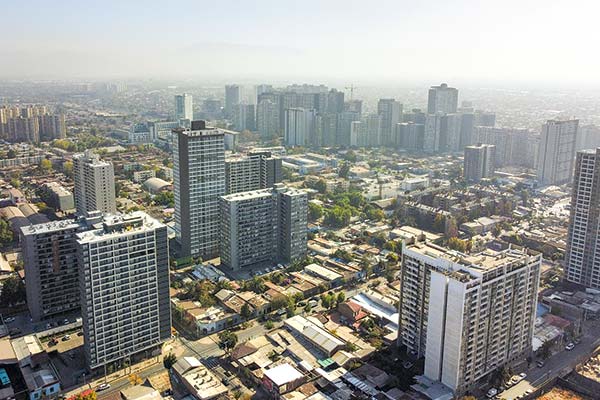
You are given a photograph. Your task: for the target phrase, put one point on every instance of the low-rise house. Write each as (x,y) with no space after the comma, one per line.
(197,379)
(282,379)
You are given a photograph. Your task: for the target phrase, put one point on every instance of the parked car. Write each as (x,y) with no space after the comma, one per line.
(66,322)
(522,375)
(407,365)
(540,363)
(570,346)
(53,342)
(9,320)
(66,337)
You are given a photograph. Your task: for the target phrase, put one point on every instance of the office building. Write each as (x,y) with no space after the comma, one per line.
(267,119)
(556,156)
(124,286)
(184,107)
(479,162)
(232,99)
(484,312)
(94,184)
(582,259)
(257,170)
(51,267)
(442,99)
(199,181)
(391,113)
(299,126)
(263,226)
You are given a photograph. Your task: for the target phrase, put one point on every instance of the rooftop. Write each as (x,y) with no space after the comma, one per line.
(282,374)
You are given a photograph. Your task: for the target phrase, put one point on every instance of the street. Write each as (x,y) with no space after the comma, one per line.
(558,364)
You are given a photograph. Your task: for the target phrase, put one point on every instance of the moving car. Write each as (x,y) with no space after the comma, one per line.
(540,363)
(103,386)
(570,346)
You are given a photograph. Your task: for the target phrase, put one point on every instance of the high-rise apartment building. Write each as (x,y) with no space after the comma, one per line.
(299,126)
(484,312)
(335,101)
(479,162)
(244,117)
(391,113)
(442,99)
(263,226)
(124,286)
(51,266)
(257,170)
(184,106)
(432,132)
(409,136)
(94,184)
(514,147)
(582,260)
(556,156)
(199,181)
(267,118)
(232,99)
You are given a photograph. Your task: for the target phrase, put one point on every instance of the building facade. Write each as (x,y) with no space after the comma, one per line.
(479,162)
(184,106)
(442,99)
(199,181)
(582,259)
(257,170)
(556,156)
(94,184)
(484,312)
(124,286)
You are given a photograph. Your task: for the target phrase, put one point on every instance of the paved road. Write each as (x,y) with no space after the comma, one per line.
(558,364)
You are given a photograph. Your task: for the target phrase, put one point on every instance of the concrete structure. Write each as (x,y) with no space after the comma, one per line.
(390,111)
(199,181)
(514,147)
(267,119)
(197,379)
(94,184)
(257,170)
(184,106)
(244,117)
(57,197)
(300,126)
(124,286)
(263,226)
(232,99)
(583,255)
(442,99)
(556,157)
(484,310)
(479,162)
(51,268)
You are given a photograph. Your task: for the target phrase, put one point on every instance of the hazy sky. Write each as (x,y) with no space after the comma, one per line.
(397,41)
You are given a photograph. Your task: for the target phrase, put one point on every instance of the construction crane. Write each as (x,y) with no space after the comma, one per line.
(351,88)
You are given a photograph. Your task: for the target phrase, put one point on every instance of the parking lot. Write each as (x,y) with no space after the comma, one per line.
(68,358)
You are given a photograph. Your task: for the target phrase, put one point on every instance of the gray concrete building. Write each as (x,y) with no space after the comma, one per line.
(263,226)
(582,259)
(199,181)
(94,184)
(556,156)
(442,99)
(257,170)
(479,162)
(124,286)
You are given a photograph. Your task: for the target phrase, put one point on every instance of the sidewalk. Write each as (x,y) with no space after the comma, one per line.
(126,372)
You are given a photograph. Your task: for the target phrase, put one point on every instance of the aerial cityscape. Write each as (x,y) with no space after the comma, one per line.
(299,202)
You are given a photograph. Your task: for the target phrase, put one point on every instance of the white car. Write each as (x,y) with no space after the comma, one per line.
(9,320)
(522,375)
(491,393)
(103,386)
(570,346)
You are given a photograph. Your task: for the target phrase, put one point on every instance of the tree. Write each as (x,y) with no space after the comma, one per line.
(227,340)
(321,186)
(246,312)
(344,170)
(68,168)
(6,234)
(46,166)
(315,211)
(457,244)
(439,223)
(13,291)
(545,350)
(135,379)
(169,360)
(341,297)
